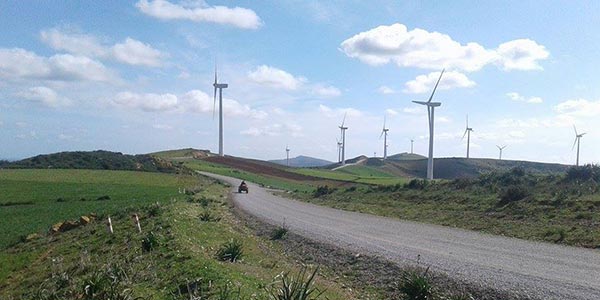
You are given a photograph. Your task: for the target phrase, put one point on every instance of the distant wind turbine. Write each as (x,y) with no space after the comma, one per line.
(430,110)
(343,131)
(468,134)
(339,149)
(384,133)
(287,155)
(412,142)
(577,141)
(500,148)
(220,87)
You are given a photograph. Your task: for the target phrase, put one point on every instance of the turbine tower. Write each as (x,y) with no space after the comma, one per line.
(430,110)
(220,87)
(468,134)
(343,131)
(412,142)
(577,140)
(384,133)
(287,155)
(339,149)
(500,148)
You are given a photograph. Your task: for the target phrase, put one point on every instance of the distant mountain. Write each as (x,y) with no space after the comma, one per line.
(303,162)
(102,160)
(406,156)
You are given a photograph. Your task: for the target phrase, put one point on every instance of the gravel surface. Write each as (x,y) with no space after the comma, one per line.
(523,268)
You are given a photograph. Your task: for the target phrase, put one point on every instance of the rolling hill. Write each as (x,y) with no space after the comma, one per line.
(303,162)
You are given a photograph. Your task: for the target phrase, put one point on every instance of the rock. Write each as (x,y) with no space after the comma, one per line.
(56,227)
(84,220)
(68,225)
(31,237)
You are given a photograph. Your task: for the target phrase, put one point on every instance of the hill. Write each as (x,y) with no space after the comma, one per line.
(406,156)
(303,162)
(94,160)
(187,153)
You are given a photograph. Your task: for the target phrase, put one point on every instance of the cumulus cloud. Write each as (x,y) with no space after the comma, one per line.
(194,101)
(425,83)
(276,129)
(391,112)
(386,90)
(277,78)
(433,50)
(130,51)
(579,108)
(44,95)
(340,112)
(18,63)
(237,16)
(520,98)
(326,91)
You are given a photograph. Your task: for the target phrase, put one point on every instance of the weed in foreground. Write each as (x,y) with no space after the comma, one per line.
(416,286)
(149,242)
(230,251)
(295,287)
(279,233)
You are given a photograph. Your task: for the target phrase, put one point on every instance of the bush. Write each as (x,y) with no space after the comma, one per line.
(149,242)
(416,286)
(417,184)
(555,235)
(512,194)
(230,251)
(102,198)
(207,216)
(279,233)
(322,191)
(154,210)
(587,172)
(295,287)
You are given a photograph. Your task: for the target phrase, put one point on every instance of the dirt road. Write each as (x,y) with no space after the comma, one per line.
(536,270)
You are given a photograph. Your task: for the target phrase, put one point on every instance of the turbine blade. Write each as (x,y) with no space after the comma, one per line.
(575,128)
(383,122)
(344,120)
(582,134)
(499,148)
(463,137)
(574,142)
(436,85)
(467,121)
(215,101)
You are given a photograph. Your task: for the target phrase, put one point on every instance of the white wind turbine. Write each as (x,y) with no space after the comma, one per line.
(430,110)
(500,148)
(412,142)
(339,149)
(384,133)
(577,141)
(287,155)
(343,131)
(468,134)
(220,87)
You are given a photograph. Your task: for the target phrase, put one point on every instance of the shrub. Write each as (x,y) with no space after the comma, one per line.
(207,216)
(351,189)
(149,242)
(230,251)
(583,173)
(227,292)
(295,287)
(322,191)
(512,194)
(416,286)
(102,198)
(417,184)
(154,210)
(555,235)
(279,233)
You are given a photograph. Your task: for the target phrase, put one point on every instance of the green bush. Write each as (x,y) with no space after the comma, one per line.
(295,287)
(417,184)
(278,233)
(587,172)
(322,191)
(149,242)
(230,251)
(512,194)
(416,286)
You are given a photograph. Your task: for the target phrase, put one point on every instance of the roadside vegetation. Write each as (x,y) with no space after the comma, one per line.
(190,245)
(552,208)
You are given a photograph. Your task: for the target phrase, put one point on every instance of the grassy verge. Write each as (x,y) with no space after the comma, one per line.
(174,257)
(551,208)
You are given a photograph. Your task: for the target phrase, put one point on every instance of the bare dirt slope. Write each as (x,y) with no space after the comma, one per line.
(525,269)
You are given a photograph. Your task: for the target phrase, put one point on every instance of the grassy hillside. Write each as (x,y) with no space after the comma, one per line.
(177,250)
(302,162)
(96,160)
(563,208)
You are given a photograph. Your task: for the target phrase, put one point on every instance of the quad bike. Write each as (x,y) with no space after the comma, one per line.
(243,188)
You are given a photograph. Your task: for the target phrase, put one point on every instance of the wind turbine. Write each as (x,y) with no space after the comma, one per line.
(500,148)
(287,155)
(468,134)
(384,133)
(577,140)
(343,131)
(430,110)
(220,87)
(339,148)
(412,142)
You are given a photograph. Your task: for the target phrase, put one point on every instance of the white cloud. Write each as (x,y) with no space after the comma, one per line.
(44,95)
(386,90)
(194,101)
(162,127)
(134,52)
(130,51)
(276,129)
(414,110)
(425,83)
(391,112)
(326,91)
(433,50)
(578,108)
(165,10)
(277,78)
(522,54)
(340,112)
(18,63)
(65,137)
(518,97)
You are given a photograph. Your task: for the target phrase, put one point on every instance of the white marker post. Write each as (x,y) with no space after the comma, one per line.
(110,228)
(136,220)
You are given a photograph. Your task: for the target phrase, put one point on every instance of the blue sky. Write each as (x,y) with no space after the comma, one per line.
(136,76)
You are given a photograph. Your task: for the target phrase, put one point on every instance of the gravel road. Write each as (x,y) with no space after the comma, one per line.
(526,269)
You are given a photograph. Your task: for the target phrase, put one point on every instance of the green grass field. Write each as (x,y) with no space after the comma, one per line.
(32,200)
(356,174)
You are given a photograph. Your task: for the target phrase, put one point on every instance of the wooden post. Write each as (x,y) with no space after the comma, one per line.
(136,220)
(109,224)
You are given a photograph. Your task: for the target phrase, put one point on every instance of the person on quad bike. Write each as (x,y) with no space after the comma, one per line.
(243,187)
